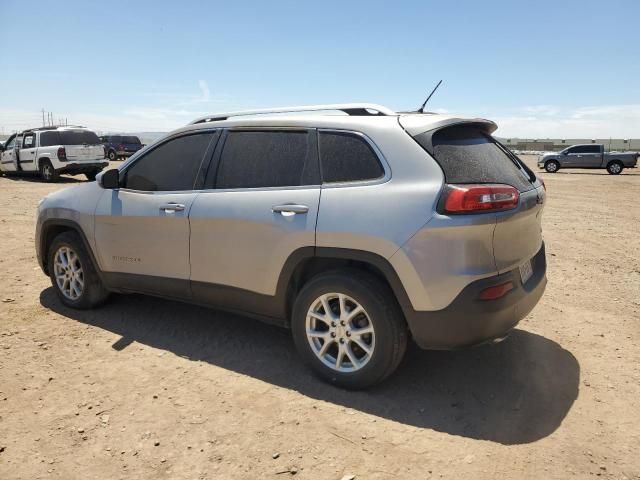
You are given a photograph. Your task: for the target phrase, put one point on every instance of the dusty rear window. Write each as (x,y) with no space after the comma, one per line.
(468,155)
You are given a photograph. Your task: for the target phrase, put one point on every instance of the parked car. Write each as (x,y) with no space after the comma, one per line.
(51,151)
(356,231)
(121,146)
(588,156)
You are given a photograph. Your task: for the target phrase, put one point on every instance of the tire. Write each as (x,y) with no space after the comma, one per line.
(552,166)
(47,172)
(91,176)
(112,155)
(615,168)
(86,293)
(386,344)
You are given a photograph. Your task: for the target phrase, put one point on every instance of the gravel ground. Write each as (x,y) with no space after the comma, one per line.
(148,388)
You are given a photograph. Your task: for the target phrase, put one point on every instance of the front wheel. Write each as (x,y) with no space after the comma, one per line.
(615,168)
(349,328)
(552,166)
(73,274)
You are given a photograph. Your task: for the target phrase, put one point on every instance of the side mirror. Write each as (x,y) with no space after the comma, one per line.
(110,179)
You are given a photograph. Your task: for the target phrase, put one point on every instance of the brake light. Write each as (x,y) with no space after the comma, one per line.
(120,147)
(479,198)
(496,291)
(62,154)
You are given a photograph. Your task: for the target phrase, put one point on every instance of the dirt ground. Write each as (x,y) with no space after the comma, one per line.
(147,388)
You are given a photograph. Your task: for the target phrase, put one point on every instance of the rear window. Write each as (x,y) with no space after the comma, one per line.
(68,137)
(468,155)
(134,140)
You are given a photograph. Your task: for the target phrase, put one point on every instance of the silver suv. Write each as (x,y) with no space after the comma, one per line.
(353,225)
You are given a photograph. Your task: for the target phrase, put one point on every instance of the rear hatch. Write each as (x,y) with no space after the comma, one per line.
(131,144)
(471,158)
(81,145)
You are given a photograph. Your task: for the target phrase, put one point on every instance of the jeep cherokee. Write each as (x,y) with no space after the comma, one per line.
(355,226)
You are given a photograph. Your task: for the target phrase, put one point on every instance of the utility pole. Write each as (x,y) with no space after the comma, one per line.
(43,117)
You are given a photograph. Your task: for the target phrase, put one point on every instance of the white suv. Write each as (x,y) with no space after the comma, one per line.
(52,151)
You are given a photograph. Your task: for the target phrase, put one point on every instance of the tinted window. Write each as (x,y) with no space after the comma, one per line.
(48,139)
(267,159)
(68,137)
(134,140)
(468,155)
(171,166)
(346,158)
(592,149)
(78,137)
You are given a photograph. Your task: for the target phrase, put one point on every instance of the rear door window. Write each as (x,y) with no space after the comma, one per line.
(468,155)
(172,166)
(347,157)
(255,159)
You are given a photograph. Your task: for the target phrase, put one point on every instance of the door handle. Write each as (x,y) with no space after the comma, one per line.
(172,207)
(290,208)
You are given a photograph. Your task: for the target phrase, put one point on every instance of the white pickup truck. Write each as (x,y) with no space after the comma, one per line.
(51,151)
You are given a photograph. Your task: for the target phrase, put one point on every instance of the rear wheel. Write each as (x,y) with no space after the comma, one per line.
(552,166)
(73,274)
(615,168)
(47,172)
(112,155)
(348,327)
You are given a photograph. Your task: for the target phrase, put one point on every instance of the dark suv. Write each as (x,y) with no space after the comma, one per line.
(120,146)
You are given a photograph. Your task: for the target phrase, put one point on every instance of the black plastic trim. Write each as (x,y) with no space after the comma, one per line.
(470,321)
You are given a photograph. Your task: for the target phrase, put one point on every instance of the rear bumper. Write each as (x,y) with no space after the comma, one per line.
(84,167)
(469,321)
(124,153)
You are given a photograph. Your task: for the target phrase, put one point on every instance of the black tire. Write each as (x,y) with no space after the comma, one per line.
(91,176)
(552,166)
(112,155)
(383,313)
(47,172)
(93,292)
(615,168)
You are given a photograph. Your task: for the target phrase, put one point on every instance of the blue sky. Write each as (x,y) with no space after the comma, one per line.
(540,68)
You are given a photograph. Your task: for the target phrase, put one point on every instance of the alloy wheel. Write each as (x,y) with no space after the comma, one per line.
(68,273)
(340,332)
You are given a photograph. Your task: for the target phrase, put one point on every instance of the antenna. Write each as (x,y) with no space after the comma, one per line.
(421,109)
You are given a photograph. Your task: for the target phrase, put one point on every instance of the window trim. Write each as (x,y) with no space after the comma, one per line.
(211,177)
(356,183)
(202,169)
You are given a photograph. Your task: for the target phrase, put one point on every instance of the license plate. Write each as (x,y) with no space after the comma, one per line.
(526,271)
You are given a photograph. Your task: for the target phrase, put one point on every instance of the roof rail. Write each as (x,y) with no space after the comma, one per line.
(356,109)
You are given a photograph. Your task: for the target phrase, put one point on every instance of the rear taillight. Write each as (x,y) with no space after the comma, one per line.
(62,154)
(120,147)
(461,199)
